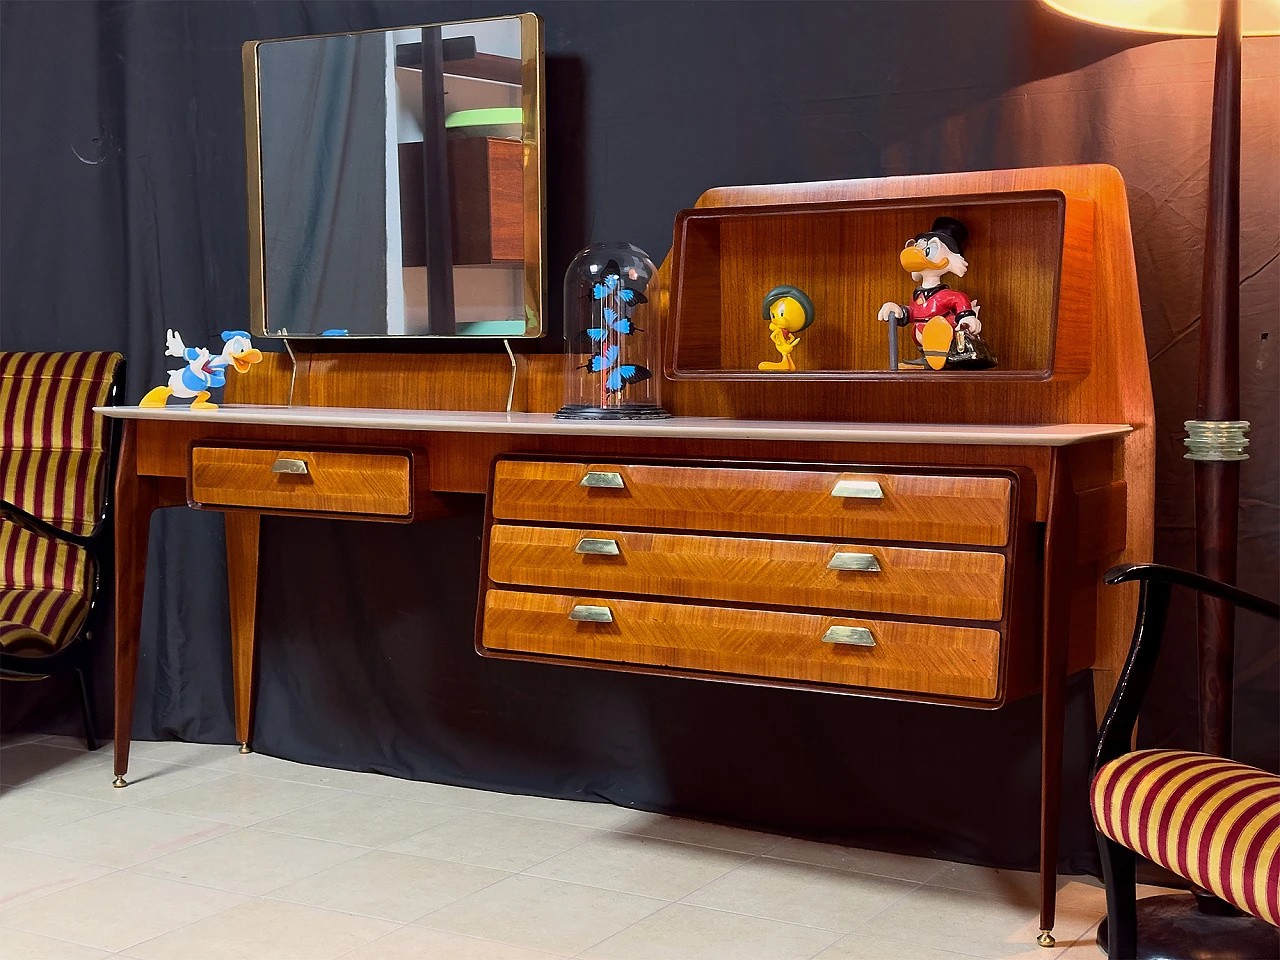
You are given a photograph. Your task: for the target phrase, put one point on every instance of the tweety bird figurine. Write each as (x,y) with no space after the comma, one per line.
(788,310)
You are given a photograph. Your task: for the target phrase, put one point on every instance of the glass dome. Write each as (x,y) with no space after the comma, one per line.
(612,300)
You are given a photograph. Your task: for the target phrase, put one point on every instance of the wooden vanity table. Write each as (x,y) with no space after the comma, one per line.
(913,536)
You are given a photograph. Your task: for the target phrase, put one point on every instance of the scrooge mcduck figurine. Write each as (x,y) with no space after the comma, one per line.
(944,322)
(204,371)
(788,310)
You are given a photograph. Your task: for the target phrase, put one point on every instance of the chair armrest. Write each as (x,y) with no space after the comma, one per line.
(23,519)
(1147,572)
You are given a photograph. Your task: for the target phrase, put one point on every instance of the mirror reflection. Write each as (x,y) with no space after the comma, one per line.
(400,181)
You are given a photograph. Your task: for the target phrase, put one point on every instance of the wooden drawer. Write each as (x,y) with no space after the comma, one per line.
(927,659)
(796,502)
(372,484)
(958,584)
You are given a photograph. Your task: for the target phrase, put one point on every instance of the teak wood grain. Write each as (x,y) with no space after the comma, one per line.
(335,482)
(242,534)
(486,196)
(798,502)
(959,584)
(945,661)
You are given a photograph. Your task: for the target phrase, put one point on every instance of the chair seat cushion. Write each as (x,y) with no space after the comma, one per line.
(1212,821)
(37,622)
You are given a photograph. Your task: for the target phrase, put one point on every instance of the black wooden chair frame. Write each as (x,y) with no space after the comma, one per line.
(76,654)
(1156,584)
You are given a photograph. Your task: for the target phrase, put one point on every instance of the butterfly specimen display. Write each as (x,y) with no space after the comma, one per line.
(609,353)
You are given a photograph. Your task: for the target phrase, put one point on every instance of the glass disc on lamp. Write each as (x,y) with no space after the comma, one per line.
(612,300)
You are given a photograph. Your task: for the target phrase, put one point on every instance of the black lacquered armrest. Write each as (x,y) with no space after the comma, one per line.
(1147,572)
(33,523)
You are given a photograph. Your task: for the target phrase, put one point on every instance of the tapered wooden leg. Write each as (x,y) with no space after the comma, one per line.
(1119,874)
(136,499)
(242,578)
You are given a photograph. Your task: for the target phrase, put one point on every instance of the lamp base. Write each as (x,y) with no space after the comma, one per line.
(1174,928)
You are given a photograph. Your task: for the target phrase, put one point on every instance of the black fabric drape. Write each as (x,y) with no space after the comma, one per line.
(122,191)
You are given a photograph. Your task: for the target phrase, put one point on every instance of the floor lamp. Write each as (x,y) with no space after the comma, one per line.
(1216,438)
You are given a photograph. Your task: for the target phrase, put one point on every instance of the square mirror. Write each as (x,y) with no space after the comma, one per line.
(396,181)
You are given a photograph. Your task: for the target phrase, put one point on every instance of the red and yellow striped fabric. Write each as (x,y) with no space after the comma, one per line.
(53,458)
(52,446)
(1212,821)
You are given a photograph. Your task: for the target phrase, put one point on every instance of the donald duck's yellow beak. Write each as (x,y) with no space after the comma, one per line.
(243,361)
(914,261)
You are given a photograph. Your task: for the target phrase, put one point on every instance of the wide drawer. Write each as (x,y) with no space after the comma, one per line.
(798,502)
(308,481)
(926,659)
(959,584)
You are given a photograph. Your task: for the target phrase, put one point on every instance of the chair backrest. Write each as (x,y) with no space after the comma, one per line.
(54,450)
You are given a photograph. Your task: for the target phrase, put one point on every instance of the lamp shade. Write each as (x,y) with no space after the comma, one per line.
(1179,18)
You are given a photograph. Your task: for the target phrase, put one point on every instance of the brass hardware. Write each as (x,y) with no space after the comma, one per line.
(1046,939)
(289,465)
(1216,440)
(859,489)
(119,782)
(600,478)
(588,614)
(604,548)
(855,636)
(245,748)
(865,562)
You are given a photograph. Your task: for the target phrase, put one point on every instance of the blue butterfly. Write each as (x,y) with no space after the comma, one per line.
(604,361)
(605,287)
(625,374)
(612,322)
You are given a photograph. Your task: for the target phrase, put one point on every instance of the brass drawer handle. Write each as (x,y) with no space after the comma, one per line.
(588,614)
(604,548)
(599,478)
(859,489)
(855,636)
(289,465)
(864,562)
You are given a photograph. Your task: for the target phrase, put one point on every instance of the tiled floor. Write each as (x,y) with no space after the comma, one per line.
(210,854)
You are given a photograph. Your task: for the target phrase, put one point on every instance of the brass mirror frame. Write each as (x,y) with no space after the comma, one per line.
(532,81)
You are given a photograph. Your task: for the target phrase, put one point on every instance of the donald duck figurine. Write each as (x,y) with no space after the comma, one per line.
(944,322)
(204,371)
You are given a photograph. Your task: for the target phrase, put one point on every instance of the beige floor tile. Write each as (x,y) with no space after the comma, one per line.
(25,876)
(13,739)
(148,779)
(265,930)
(179,751)
(640,865)
(543,914)
(380,786)
(973,923)
(31,810)
(275,768)
(389,886)
(492,840)
(20,945)
(802,893)
(75,743)
(604,816)
(875,862)
(362,820)
(241,799)
(703,834)
(116,911)
(423,943)
(250,861)
(854,947)
(685,932)
(1083,947)
(122,836)
(28,763)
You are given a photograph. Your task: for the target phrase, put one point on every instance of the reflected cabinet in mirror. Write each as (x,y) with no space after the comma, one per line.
(396,181)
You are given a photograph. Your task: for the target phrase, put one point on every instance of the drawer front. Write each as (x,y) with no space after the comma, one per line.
(856,505)
(308,481)
(929,659)
(957,584)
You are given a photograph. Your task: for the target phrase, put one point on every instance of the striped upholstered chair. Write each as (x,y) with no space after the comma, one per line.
(1210,820)
(57,461)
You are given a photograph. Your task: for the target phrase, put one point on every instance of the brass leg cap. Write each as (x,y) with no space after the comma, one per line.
(1046,939)
(245,748)
(119,782)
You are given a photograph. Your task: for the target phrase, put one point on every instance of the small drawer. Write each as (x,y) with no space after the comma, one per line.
(920,658)
(304,481)
(956,584)
(861,505)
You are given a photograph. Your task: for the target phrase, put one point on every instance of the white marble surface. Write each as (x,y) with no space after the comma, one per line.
(710,428)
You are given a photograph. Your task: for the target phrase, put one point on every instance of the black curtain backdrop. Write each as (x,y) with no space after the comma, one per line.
(122,213)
